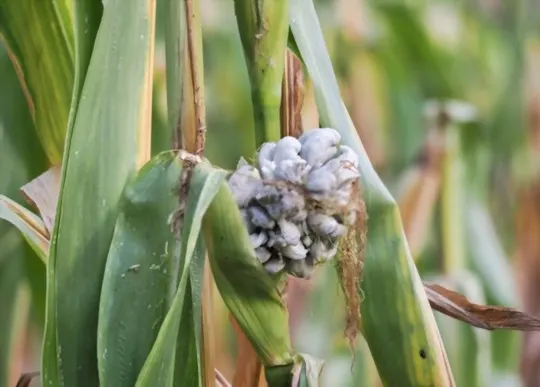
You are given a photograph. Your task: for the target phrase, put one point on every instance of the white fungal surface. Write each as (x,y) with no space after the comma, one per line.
(296,200)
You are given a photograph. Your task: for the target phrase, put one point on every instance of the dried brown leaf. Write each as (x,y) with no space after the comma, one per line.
(457,306)
(292,96)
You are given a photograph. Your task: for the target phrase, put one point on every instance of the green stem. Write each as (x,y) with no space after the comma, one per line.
(264,28)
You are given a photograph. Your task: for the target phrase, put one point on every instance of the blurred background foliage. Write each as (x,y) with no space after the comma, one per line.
(478,227)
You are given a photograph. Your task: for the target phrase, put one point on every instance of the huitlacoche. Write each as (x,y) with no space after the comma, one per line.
(296,199)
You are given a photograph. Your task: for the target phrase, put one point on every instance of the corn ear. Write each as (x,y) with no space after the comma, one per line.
(263,26)
(247,289)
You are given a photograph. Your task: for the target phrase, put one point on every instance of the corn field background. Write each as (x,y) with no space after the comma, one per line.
(445,98)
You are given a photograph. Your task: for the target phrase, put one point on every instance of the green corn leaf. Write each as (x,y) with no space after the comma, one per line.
(263,26)
(141,252)
(188,362)
(39,37)
(398,323)
(487,255)
(87,16)
(246,288)
(109,139)
(188,366)
(452,209)
(159,368)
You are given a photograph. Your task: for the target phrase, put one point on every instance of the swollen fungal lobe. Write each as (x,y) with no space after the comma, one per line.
(289,231)
(259,218)
(296,202)
(266,152)
(321,181)
(307,241)
(293,171)
(275,265)
(287,149)
(264,158)
(318,146)
(258,239)
(321,251)
(297,251)
(263,254)
(247,220)
(325,225)
(300,268)
(276,239)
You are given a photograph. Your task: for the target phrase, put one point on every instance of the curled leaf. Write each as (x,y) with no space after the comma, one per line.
(30,225)
(43,192)
(457,306)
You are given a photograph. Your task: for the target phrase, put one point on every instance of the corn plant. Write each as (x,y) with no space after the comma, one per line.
(138,221)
